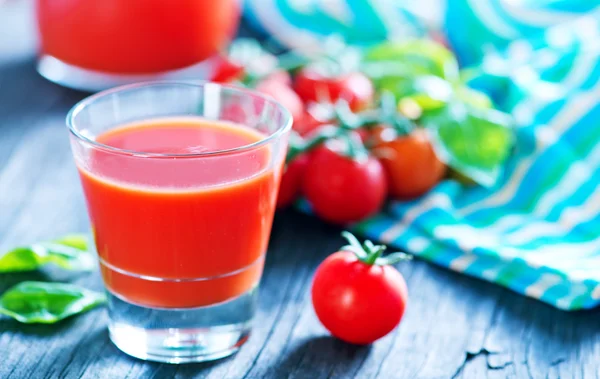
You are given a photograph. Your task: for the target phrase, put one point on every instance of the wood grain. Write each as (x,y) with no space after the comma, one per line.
(455,326)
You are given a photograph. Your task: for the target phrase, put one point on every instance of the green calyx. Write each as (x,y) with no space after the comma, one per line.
(341,126)
(348,143)
(370,254)
(387,114)
(299,145)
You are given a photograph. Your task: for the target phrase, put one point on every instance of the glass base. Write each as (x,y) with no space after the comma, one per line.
(181,335)
(78,78)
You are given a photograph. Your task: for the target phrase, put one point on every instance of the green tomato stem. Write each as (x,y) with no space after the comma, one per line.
(370,254)
(298,145)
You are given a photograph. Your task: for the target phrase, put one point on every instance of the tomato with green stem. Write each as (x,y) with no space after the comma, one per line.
(344,188)
(406,152)
(315,115)
(247,62)
(354,87)
(412,165)
(337,114)
(226,70)
(357,294)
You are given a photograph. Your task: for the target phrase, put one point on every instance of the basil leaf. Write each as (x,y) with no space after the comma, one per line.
(472,137)
(78,241)
(47,303)
(69,253)
(430,92)
(390,63)
(473,141)
(427,91)
(473,97)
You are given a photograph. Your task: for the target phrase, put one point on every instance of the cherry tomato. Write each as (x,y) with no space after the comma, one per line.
(291,181)
(284,94)
(315,115)
(307,123)
(358,296)
(410,161)
(247,61)
(226,71)
(342,190)
(355,88)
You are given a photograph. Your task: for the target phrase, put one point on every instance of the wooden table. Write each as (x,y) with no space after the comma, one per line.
(454,327)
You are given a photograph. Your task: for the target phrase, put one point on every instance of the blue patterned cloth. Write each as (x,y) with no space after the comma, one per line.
(302,24)
(538,230)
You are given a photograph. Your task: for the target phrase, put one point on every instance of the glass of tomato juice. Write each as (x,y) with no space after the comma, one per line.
(98,44)
(180,181)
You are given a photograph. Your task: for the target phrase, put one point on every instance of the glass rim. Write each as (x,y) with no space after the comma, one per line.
(82,104)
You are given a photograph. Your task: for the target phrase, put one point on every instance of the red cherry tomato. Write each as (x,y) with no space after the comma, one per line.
(284,94)
(307,123)
(412,165)
(357,300)
(342,190)
(291,181)
(355,88)
(315,115)
(226,71)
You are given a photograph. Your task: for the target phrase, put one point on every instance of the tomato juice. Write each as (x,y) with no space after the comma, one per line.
(135,36)
(184,225)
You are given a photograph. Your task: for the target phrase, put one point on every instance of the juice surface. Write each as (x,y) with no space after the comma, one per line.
(180,232)
(135,36)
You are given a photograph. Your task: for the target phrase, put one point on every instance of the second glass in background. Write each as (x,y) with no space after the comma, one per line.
(94,45)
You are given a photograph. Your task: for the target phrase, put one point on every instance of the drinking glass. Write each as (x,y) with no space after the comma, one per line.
(94,45)
(181,235)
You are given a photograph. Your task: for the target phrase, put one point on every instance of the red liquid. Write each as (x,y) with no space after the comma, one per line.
(135,36)
(187,218)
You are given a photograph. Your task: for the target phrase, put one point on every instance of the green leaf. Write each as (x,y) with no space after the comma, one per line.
(431,93)
(473,97)
(47,303)
(428,92)
(77,241)
(69,253)
(473,141)
(391,63)
(424,76)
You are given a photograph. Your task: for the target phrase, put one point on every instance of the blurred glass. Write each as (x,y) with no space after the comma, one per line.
(92,45)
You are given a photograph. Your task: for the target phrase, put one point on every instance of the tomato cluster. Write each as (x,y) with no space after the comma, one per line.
(391,157)
(351,149)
